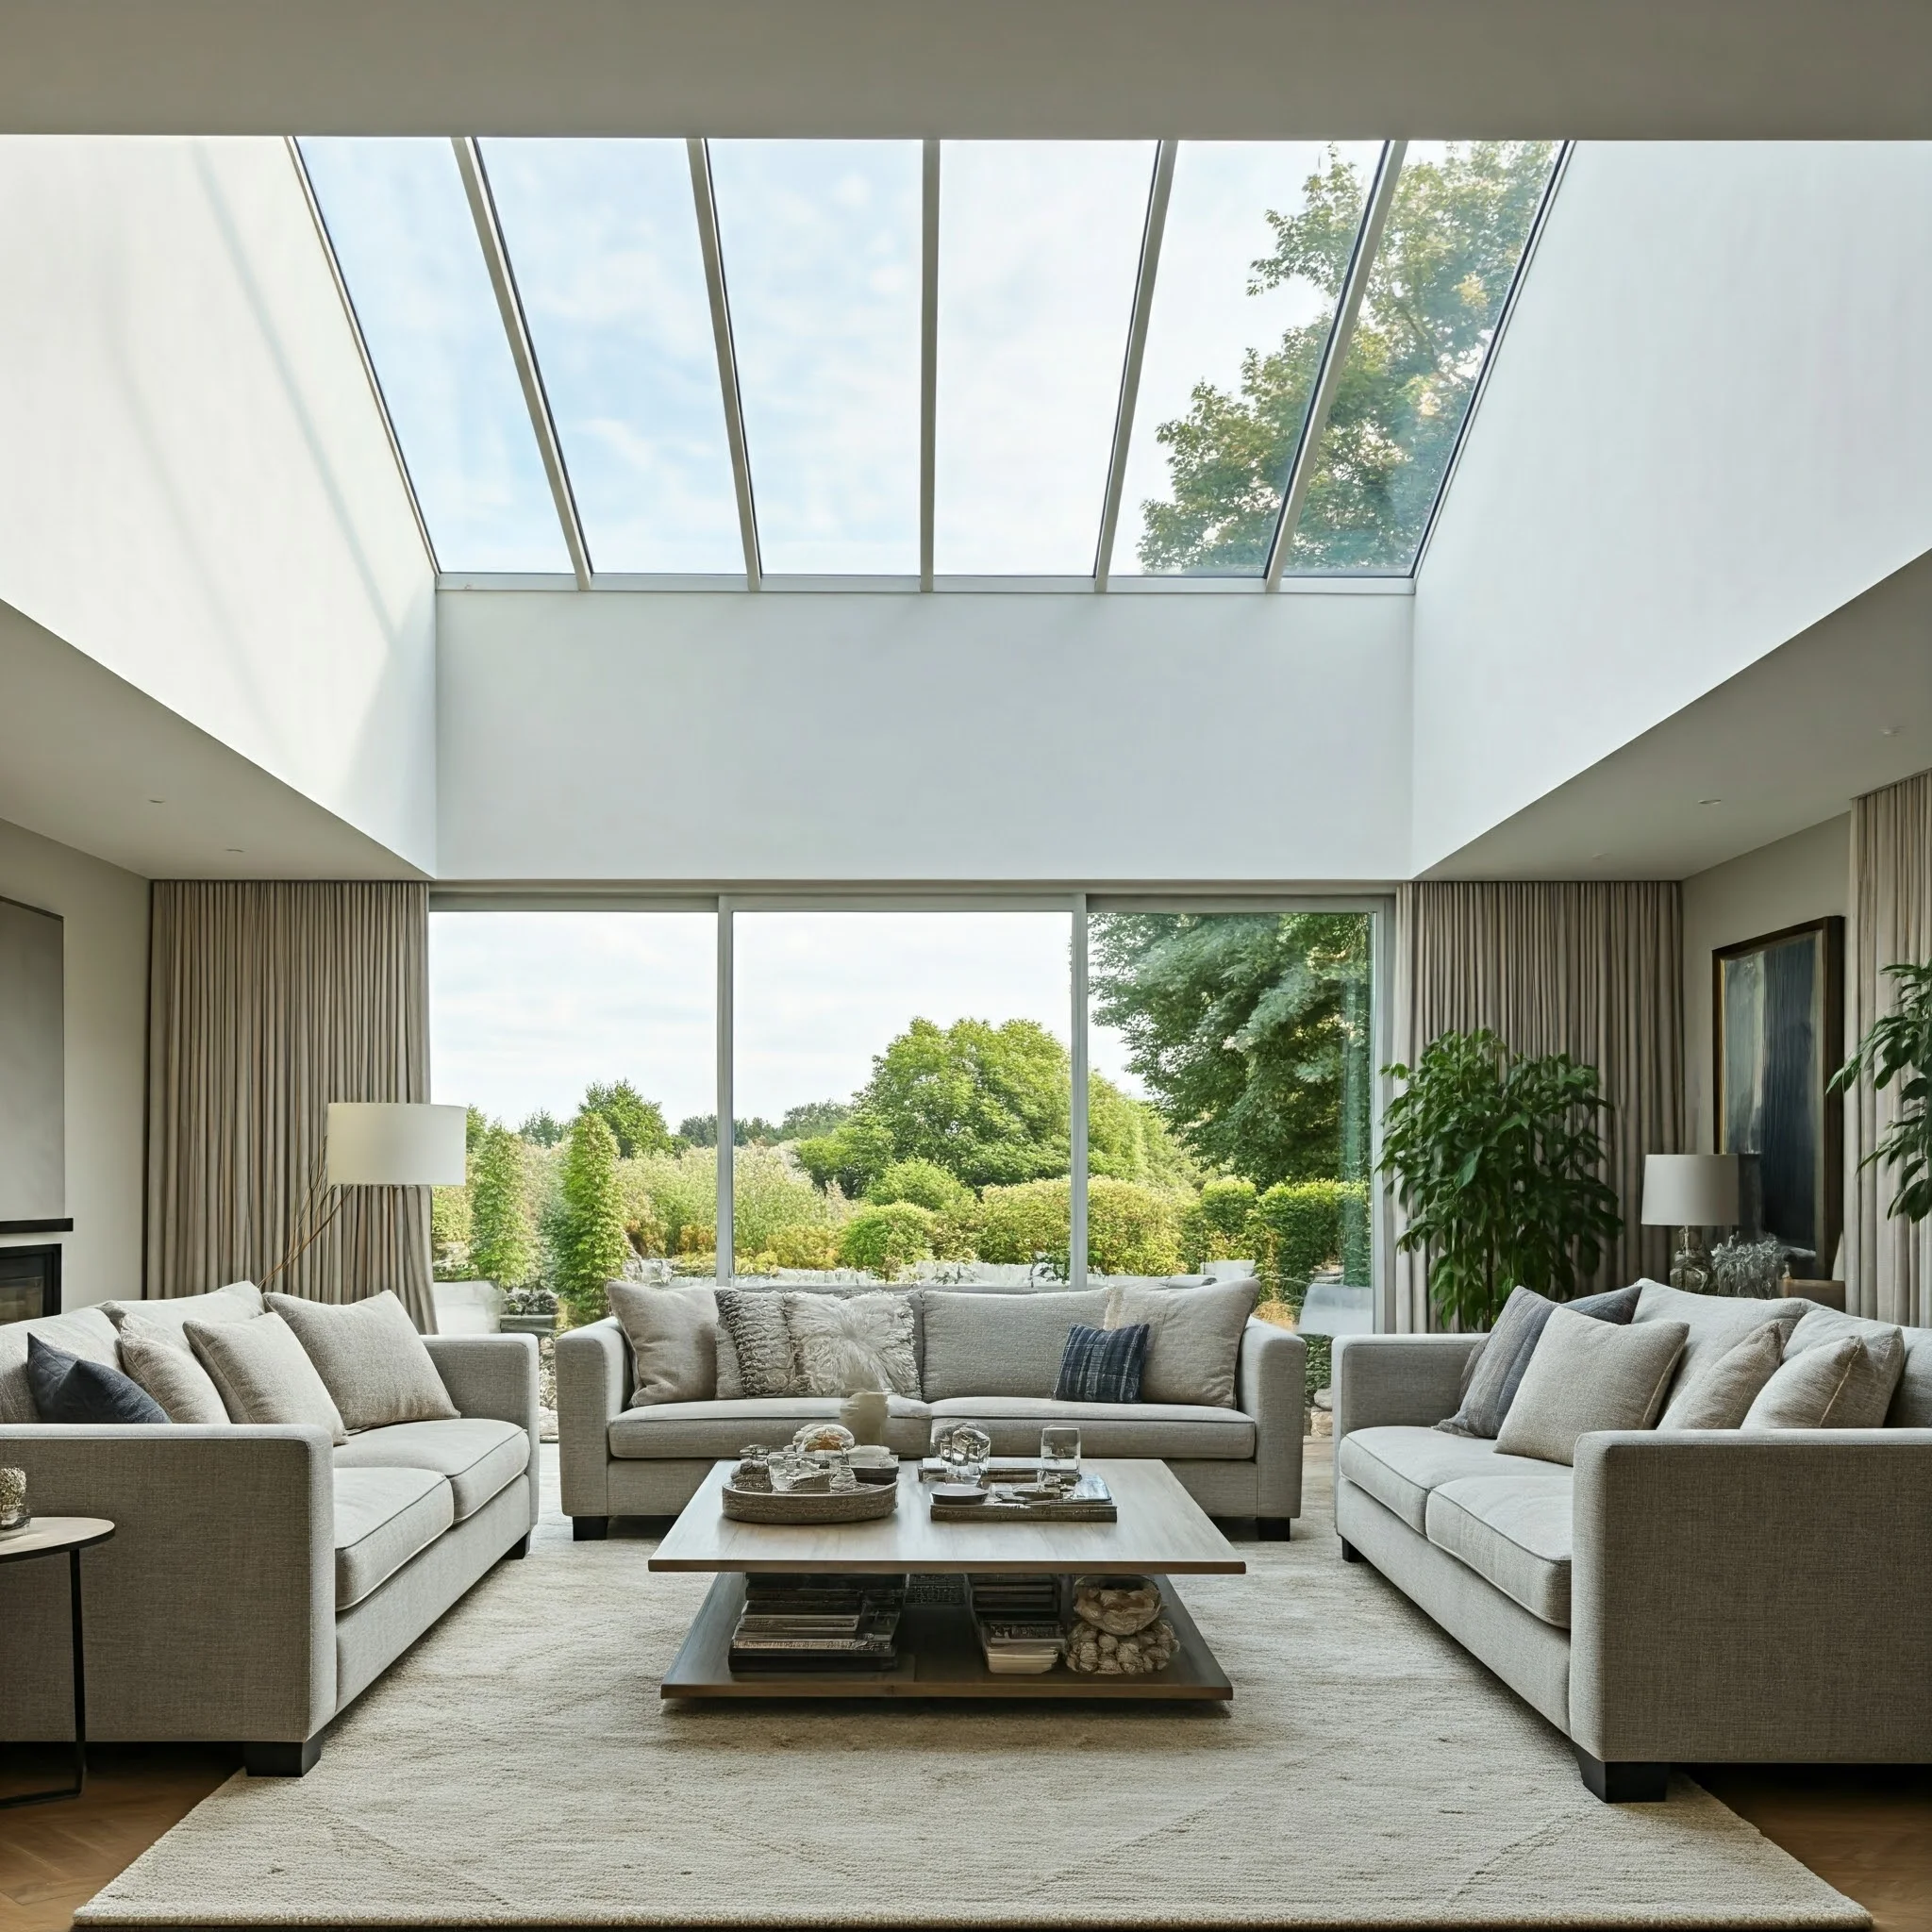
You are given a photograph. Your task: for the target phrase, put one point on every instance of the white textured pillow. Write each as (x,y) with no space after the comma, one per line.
(161,1362)
(263,1375)
(1838,1385)
(1720,1395)
(370,1359)
(1587,1375)
(672,1334)
(846,1343)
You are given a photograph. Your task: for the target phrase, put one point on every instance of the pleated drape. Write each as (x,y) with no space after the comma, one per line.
(1887,1262)
(1594,970)
(268,1000)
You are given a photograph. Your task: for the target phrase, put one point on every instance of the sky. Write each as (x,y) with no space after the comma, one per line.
(528,1009)
(1040,244)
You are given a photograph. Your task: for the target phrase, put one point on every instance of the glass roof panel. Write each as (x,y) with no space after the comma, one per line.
(1040,245)
(1257,246)
(1462,219)
(603,238)
(820,247)
(403,235)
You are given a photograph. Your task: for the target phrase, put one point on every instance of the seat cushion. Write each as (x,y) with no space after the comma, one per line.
(383,1517)
(669,1430)
(1202,1432)
(1400,1464)
(478,1455)
(1513,1528)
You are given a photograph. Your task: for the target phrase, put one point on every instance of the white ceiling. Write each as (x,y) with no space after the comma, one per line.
(1720,69)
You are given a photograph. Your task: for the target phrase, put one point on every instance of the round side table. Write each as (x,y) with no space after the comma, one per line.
(47,1536)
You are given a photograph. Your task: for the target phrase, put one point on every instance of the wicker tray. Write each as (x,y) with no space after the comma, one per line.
(866,1504)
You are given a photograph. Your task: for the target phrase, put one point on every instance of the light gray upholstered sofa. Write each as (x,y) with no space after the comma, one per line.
(994,1361)
(1696,1596)
(258,1581)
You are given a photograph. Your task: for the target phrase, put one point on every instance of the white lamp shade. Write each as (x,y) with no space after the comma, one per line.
(396,1144)
(1690,1189)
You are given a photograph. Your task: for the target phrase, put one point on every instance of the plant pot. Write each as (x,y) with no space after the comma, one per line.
(527,1325)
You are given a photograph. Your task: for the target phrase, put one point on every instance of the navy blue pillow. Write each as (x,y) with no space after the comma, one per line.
(69,1389)
(1102,1364)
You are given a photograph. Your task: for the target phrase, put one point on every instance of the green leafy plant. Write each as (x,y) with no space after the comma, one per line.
(1498,1165)
(503,1235)
(887,1241)
(637,1122)
(1898,1048)
(589,1243)
(923,1182)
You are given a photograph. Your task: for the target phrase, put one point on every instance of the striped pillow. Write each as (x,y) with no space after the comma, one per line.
(1102,1364)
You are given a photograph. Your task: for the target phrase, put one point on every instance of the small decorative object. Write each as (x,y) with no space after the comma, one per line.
(754,1469)
(1754,1269)
(13,1510)
(863,1414)
(1060,1457)
(823,1437)
(960,1496)
(1691,1192)
(964,1451)
(1118,1629)
(861,1503)
(1117,1605)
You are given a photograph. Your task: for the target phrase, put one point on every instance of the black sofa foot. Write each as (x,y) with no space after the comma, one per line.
(1626,1781)
(282,1760)
(1349,1553)
(589,1529)
(518,1549)
(1274,1529)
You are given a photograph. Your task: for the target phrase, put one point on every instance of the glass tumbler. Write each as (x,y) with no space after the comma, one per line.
(1060,1457)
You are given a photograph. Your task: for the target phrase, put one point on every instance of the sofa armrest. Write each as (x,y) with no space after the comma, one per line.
(494,1376)
(1385,1379)
(1752,1596)
(593,1384)
(212,1611)
(1271,1389)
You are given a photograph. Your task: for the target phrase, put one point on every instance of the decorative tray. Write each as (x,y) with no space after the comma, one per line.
(1090,1501)
(866,1504)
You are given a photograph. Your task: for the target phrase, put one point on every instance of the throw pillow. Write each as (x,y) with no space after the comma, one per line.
(1838,1385)
(239,1301)
(1194,1337)
(70,1388)
(978,1345)
(1720,1396)
(672,1334)
(1102,1364)
(370,1359)
(1496,1370)
(846,1343)
(1589,1374)
(161,1362)
(760,1342)
(263,1375)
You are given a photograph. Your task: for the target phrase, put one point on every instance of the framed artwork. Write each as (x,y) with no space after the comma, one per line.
(1778,1026)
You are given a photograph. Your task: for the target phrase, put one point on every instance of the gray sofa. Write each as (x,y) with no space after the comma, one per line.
(994,1362)
(259,1580)
(1695,1597)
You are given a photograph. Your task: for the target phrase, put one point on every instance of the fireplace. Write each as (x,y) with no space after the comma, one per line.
(29,1282)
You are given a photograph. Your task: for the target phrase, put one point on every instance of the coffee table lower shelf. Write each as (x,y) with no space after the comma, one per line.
(939,1656)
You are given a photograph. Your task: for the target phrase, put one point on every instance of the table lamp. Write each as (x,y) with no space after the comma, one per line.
(1691,1192)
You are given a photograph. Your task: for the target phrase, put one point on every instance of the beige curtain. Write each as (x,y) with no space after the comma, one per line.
(1887,1262)
(266,1001)
(1593,970)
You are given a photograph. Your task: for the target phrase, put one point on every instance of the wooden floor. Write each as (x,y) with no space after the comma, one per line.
(1868,1832)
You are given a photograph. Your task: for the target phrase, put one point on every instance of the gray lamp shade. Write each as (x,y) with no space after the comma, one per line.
(1690,1189)
(396,1144)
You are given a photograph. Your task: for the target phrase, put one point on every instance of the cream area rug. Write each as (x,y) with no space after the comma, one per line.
(519,1767)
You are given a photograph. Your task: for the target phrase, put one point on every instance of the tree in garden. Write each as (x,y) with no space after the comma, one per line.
(813,1118)
(1250,1030)
(1448,254)
(701,1130)
(503,1238)
(590,1245)
(924,1184)
(638,1124)
(541,1128)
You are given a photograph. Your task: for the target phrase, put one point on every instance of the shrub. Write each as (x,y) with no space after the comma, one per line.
(1321,1364)
(503,1233)
(925,1183)
(1305,1226)
(806,1244)
(1030,1218)
(449,1233)
(589,1240)
(850,1158)
(1220,1225)
(887,1241)
(768,1193)
(678,1192)
(1130,1229)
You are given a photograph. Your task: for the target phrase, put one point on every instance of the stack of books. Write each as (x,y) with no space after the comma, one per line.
(812,1622)
(1018,1619)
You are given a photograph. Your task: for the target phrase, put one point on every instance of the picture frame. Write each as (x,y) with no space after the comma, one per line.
(1777,1031)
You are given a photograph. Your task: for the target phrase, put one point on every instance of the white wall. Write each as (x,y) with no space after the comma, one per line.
(736,738)
(106,998)
(196,488)
(1707,427)
(1804,877)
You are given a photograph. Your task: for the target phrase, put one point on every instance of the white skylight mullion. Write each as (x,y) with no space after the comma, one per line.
(706,206)
(1374,219)
(929,351)
(503,281)
(1157,197)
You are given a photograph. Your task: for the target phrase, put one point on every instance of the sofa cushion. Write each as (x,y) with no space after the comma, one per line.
(846,1343)
(239,1301)
(1400,1463)
(1513,1528)
(1001,1344)
(1587,1376)
(161,1362)
(1196,1336)
(383,1517)
(1102,1364)
(264,1373)
(83,1332)
(370,1357)
(670,1430)
(1911,1402)
(1496,1370)
(1198,1431)
(762,1350)
(1715,1324)
(672,1334)
(71,1389)
(1845,1384)
(479,1454)
(1720,1395)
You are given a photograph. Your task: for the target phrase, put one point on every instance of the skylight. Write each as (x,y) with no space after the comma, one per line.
(1127,363)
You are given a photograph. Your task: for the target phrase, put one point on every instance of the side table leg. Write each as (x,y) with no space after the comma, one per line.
(79,1675)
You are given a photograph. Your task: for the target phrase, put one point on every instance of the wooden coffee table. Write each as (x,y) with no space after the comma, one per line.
(1161,1533)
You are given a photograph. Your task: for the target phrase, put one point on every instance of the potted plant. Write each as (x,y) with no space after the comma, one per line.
(1498,1165)
(1898,1048)
(528,1311)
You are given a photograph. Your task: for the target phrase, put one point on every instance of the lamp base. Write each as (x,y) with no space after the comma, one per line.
(1691,1267)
